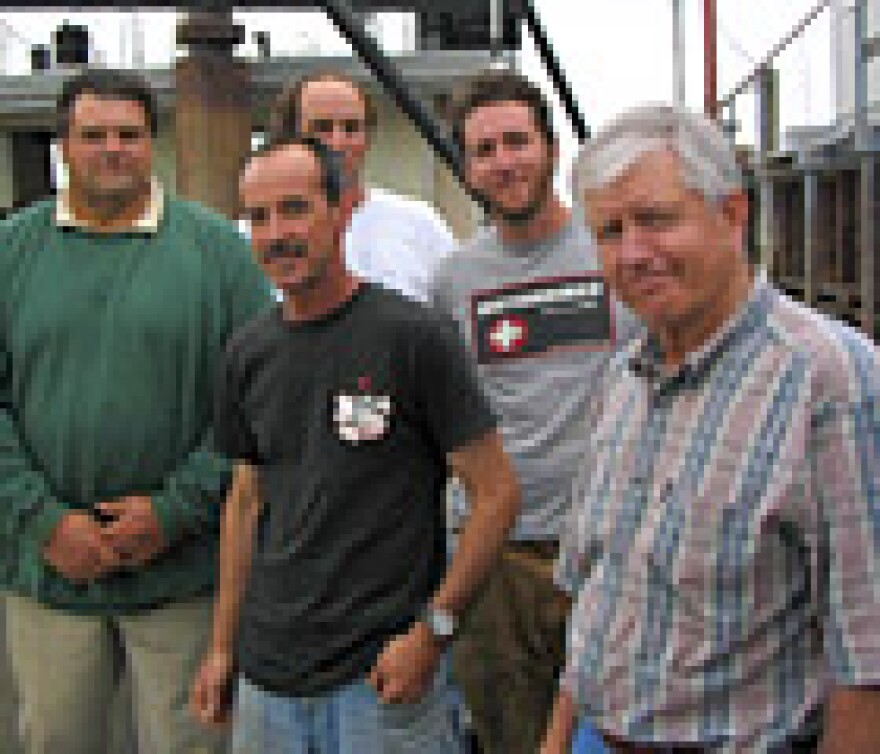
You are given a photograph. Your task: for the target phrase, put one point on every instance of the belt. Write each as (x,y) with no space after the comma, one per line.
(805,745)
(620,746)
(547,549)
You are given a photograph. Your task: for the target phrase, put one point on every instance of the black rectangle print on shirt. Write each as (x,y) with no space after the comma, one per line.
(535,317)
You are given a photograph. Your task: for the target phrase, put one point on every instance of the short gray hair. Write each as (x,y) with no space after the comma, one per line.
(708,162)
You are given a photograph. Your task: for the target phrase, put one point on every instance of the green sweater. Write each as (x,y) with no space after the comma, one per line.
(108,347)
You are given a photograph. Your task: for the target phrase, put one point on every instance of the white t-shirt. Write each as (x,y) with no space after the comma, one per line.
(393,240)
(397,241)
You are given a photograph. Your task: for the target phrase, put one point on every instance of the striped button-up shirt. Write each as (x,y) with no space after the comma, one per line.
(725,540)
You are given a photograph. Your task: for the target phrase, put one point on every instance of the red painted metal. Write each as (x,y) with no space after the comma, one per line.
(710,58)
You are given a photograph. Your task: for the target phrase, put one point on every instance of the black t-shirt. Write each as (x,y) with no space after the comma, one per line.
(348,420)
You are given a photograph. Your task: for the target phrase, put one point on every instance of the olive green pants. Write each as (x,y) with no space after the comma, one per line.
(510,649)
(67,666)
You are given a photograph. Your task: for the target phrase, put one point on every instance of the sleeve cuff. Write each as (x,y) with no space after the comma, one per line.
(44,523)
(171,520)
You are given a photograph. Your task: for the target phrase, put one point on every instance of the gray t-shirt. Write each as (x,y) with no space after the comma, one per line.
(546,404)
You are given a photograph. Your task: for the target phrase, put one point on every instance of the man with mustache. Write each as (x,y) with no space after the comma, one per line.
(346,406)
(115,301)
(541,383)
(390,239)
(724,549)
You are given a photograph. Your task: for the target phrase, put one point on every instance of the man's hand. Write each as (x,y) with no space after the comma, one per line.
(133,532)
(210,697)
(560,728)
(852,720)
(77,549)
(404,670)
(552,744)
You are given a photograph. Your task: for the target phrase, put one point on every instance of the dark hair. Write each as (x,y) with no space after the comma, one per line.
(495,87)
(284,117)
(331,174)
(108,84)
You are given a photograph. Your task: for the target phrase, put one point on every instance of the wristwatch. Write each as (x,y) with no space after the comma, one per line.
(441,623)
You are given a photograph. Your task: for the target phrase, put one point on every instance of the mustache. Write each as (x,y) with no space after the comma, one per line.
(634,273)
(285,249)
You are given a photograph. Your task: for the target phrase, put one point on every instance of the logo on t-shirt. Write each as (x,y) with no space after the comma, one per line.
(361,418)
(507,335)
(540,316)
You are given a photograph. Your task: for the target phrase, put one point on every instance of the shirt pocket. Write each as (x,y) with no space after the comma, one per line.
(717,544)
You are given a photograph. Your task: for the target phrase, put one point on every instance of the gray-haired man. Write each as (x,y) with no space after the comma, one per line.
(724,547)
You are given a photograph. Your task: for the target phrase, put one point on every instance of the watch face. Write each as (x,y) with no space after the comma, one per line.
(442,623)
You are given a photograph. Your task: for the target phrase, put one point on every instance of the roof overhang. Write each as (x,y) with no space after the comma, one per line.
(28,102)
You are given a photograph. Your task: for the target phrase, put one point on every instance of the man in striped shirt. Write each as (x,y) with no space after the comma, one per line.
(724,548)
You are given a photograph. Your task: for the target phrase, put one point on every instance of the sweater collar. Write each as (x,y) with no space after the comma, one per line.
(147,223)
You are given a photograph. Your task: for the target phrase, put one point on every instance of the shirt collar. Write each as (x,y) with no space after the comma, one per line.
(644,357)
(148,222)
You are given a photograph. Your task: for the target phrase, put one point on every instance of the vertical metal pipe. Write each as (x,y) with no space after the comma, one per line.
(761,119)
(811,185)
(678,55)
(768,109)
(730,124)
(137,43)
(710,59)
(496,28)
(766,239)
(860,72)
(868,242)
(867,212)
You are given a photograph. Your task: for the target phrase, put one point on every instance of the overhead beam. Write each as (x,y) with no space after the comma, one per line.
(458,7)
(775,51)
(350,27)
(555,71)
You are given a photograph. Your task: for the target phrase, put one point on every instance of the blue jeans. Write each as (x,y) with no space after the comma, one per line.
(588,741)
(349,720)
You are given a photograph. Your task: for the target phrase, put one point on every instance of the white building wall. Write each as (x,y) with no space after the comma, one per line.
(396,159)
(402,161)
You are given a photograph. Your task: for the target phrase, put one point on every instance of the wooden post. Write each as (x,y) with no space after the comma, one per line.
(212,110)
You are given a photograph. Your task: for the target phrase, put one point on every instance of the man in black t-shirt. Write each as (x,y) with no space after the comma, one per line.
(346,406)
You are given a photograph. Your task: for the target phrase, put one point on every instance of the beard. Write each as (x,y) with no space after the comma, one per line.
(311,280)
(524,215)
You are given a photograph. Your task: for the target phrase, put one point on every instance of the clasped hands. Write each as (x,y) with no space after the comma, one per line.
(82,548)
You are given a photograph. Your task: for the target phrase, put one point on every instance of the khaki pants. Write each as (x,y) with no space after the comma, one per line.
(511,646)
(67,666)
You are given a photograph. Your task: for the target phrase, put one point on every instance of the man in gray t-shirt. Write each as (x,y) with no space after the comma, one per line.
(545,400)
(532,307)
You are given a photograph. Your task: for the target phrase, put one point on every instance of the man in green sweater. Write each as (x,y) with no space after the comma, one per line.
(115,302)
